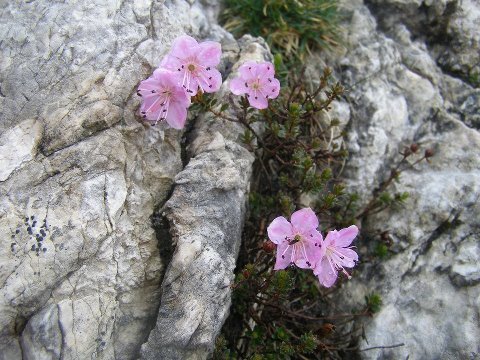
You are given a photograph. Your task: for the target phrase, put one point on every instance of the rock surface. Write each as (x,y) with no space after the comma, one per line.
(401,92)
(80,177)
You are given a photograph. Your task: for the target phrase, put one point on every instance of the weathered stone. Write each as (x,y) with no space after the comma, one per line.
(84,284)
(400,95)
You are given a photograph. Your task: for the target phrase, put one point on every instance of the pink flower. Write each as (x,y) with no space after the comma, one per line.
(258,82)
(336,254)
(194,64)
(163,99)
(297,242)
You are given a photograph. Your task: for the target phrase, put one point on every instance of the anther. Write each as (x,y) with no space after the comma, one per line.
(270,80)
(208,68)
(210,78)
(153,91)
(209,86)
(246,85)
(256,97)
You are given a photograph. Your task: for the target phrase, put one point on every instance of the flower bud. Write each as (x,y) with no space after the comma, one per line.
(429,153)
(414,147)
(268,246)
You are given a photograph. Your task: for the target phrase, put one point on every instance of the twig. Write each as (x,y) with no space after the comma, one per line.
(382,347)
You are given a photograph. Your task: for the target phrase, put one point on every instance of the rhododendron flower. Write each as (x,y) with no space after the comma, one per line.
(194,64)
(336,255)
(258,82)
(163,99)
(297,242)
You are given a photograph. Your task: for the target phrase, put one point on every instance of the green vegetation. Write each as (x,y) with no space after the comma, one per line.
(300,155)
(291,27)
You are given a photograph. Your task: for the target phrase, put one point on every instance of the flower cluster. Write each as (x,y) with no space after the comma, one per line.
(191,66)
(188,67)
(299,242)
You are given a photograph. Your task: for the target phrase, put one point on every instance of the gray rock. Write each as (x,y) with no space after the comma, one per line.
(73,154)
(206,213)
(450,29)
(399,95)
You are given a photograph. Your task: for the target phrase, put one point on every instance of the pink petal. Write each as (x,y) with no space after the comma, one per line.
(248,70)
(312,253)
(183,47)
(193,87)
(349,257)
(149,84)
(272,89)
(211,80)
(257,100)
(237,86)
(326,275)
(330,239)
(151,106)
(279,229)
(304,221)
(209,53)
(283,257)
(346,236)
(265,70)
(177,115)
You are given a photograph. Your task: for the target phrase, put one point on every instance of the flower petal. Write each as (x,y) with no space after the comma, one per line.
(279,229)
(183,47)
(284,256)
(257,100)
(349,257)
(304,221)
(307,252)
(209,53)
(346,236)
(265,70)
(176,115)
(326,274)
(211,80)
(151,106)
(271,88)
(237,86)
(248,70)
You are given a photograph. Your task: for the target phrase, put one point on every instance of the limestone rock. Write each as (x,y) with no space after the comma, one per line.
(80,177)
(401,94)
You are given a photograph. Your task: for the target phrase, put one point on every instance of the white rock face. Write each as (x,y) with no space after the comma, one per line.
(80,177)
(401,94)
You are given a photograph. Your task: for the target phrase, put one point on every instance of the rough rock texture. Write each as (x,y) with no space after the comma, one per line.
(80,267)
(400,93)
(206,214)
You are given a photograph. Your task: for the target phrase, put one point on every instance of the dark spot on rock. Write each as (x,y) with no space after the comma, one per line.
(44,249)
(32,217)
(26,219)
(17,231)
(33,248)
